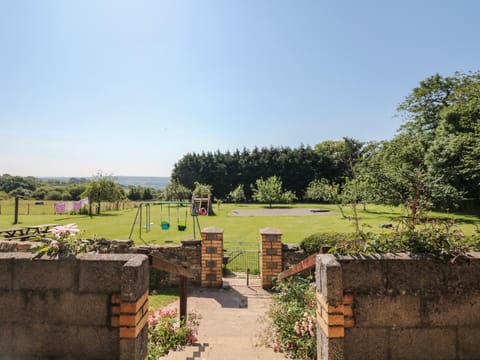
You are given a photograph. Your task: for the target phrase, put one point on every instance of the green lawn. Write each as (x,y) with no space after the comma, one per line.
(238,231)
(162,297)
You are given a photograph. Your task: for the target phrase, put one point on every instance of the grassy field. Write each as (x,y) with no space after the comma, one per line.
(239,232)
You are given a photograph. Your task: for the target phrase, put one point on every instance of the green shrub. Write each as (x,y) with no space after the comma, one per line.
(438,238)
(312,244)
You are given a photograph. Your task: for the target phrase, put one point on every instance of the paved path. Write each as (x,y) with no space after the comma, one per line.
(230,323)
(279,212)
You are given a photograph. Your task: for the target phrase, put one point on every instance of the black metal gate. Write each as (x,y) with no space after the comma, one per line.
(239,262)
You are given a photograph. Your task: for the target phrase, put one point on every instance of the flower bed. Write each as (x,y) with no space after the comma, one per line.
(291,319)
(167,332)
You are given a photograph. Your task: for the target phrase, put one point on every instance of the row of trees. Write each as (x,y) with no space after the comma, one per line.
(100,188)
(437,150)
(41,189)
(72,189)
(296,167)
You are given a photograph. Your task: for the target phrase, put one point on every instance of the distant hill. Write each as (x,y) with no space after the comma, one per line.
(155,182)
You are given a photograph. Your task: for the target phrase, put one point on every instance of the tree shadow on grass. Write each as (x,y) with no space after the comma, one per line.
(472,222)
(77,217)
(277,207)
(379,212)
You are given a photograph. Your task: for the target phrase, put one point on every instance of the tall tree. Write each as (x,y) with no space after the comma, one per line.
(103,188)
(437,146)
(176,192)
(342,155)
(323,190)
(237,195)
(268,191)
(454,154)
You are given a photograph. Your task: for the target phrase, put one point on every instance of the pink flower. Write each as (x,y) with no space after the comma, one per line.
(152,320)
(191,338)
(64,230)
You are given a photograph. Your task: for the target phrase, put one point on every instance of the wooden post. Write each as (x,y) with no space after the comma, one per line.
(183,298)
(160,264)
(15,216)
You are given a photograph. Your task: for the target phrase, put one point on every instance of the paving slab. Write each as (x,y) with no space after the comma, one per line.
(231,323)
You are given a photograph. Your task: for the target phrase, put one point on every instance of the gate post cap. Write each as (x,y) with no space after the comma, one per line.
(270,231)
(212,230)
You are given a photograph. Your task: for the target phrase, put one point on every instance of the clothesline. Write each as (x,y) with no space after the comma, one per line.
(69,206)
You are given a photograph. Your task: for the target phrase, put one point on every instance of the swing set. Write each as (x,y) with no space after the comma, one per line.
(179,209)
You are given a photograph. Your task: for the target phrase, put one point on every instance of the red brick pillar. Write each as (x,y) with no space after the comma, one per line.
(212,257)
(271,255)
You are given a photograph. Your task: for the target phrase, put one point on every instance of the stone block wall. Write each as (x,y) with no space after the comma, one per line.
(397,307)
(291,255)
(72,308)
(275,256)
(188,255)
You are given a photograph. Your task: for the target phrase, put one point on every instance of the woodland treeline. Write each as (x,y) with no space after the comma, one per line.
(436,152)
(295,167)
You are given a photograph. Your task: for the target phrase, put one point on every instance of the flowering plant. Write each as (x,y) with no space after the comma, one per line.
(63,242)
(166,332)
(291,325)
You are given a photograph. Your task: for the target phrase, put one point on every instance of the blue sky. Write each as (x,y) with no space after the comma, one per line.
(129,87)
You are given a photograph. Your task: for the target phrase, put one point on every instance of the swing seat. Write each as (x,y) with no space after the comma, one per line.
(181,227)
(165,225)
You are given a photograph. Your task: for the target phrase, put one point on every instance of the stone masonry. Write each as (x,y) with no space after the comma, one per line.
(397,307)
(83,307)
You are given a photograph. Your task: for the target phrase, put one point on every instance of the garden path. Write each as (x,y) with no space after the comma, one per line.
(230,324)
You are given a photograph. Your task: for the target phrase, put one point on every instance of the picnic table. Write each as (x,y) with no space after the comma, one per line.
(13,232)
(39,229)
(26,232)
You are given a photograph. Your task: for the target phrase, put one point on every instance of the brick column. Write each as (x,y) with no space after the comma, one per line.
(271,255)
(212,257)
(334,308)
(129,309)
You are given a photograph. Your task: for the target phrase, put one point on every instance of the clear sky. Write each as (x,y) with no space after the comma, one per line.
(129,87)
